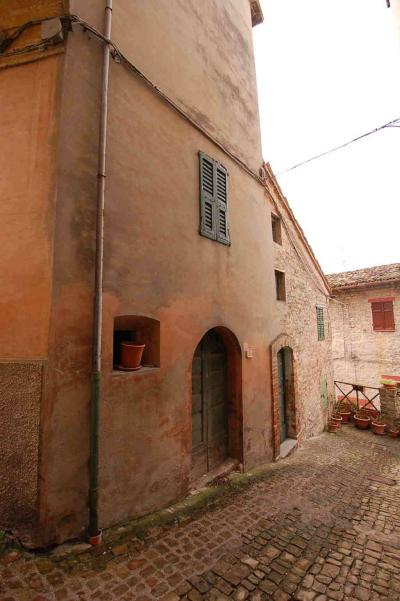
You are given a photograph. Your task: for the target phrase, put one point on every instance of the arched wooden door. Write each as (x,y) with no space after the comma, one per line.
(209,405)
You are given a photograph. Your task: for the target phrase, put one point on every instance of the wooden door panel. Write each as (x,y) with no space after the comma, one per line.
(216,455)
(282,395)
(197,429)
(217,421)
(199,462)
(197,403)
(216,401)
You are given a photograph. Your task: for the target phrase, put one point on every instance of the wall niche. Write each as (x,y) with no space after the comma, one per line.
(139,330)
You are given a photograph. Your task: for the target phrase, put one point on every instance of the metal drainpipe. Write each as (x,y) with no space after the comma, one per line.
(94,534)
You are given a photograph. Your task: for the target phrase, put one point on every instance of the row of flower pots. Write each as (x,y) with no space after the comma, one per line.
(362,422)
(363,419)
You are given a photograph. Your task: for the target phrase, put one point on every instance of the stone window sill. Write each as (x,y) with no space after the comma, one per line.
(138,372)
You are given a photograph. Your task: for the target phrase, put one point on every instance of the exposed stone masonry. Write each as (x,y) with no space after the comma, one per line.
(390,407)
(360,354)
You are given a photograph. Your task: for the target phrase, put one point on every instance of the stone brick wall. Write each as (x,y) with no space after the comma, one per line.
(296,322)
(360,354)
(390,407)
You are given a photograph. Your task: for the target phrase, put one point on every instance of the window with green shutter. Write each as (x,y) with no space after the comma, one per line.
(320,323)
(213,200)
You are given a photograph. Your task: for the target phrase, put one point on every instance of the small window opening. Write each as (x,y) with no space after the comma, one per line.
(139,330)
(320,323)
(280,285)
(276,229)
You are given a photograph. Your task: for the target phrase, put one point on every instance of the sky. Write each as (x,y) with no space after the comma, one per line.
(328,71)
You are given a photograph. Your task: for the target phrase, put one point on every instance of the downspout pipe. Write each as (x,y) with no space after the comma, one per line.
(94,533)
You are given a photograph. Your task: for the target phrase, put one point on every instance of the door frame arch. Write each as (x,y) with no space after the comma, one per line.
(284,341)
(234,390)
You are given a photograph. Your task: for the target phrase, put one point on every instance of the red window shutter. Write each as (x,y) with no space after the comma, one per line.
(378,320)
(388,316)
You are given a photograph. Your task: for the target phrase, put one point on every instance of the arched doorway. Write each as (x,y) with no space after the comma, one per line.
(285,416)
(216,402)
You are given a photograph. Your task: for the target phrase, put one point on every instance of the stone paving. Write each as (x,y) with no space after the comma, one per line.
(314,527)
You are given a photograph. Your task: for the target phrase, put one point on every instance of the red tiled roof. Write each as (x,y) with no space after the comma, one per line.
(363,277)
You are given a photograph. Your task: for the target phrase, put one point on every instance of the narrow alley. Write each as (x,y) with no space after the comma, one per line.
(320,525)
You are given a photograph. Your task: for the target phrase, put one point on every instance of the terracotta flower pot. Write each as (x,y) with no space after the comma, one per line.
(345,415)
(131,355)
(96,539)
(378,428)
(333,426)
(362,423)
(371,413)
(394,433)
(337,420)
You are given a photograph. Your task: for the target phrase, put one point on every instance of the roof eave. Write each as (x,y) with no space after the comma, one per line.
(373,284)
(257,16)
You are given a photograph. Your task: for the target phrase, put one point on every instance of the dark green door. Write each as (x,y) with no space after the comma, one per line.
(209,405)
(282,394)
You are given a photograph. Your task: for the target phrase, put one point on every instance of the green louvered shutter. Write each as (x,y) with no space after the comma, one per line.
(213,199)
(208,221)
(222,204)
(320,323)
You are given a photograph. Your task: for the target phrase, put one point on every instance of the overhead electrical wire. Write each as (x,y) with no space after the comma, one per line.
(322,154)
(118,56)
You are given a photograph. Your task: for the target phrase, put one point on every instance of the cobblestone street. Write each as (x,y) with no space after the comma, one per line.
(315,526)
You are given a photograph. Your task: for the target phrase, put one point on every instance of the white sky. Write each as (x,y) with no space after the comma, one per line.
(328,71)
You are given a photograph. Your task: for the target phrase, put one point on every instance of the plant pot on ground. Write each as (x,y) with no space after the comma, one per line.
(336,418)
(343,409)
(378,427)
(394,433)
(361,421)
(373,414)
(333,426)
(131,355)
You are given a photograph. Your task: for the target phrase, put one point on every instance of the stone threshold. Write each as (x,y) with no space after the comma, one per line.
(287,447)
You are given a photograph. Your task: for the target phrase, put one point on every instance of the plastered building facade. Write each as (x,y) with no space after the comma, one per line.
(184,89)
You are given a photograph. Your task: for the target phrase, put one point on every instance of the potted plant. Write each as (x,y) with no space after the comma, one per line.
(343,409)
(131,355)
(361,421)
(333,426)
(369,412)
(389,384)
(336,418)
(378,427)
(394,432)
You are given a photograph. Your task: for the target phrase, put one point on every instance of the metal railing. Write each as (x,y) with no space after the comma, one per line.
(363,400)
